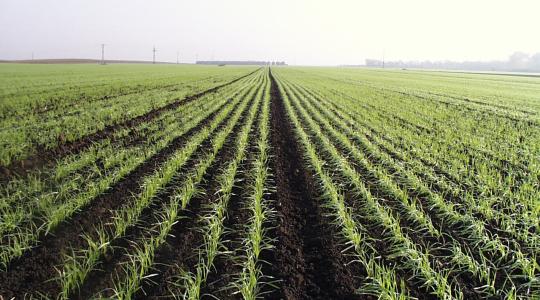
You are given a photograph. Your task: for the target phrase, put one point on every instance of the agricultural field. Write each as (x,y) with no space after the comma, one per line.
(206,182)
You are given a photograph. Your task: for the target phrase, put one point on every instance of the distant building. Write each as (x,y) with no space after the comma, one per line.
(241,62)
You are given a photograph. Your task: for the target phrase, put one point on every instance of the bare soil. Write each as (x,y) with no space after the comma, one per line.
(308,259)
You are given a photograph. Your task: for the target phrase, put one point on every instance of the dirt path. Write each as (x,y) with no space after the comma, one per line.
(307,258)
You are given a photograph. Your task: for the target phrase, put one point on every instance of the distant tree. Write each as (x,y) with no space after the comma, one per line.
(518,61)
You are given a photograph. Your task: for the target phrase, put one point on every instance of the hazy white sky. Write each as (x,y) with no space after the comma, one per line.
(297,31)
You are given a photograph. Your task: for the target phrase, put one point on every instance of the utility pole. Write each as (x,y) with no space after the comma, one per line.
(154,57)
(177,57)
(196,58)
(32,55)
(383,60)
(102,54)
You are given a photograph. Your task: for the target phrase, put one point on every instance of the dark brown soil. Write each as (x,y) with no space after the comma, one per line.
(307,258)
(32,272)
(45,157)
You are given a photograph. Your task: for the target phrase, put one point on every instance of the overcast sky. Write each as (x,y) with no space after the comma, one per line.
(297,31)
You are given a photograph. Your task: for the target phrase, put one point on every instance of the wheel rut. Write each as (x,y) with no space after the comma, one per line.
(308,259)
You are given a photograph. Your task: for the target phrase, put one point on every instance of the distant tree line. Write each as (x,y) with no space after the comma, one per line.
(241,62)
(517,62)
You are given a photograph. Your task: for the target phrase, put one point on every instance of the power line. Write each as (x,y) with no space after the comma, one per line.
(102,54)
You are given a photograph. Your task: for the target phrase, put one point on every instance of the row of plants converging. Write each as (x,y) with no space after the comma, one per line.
(36,204)
(199,134)
(395,177)
(41,118)
(396,207)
